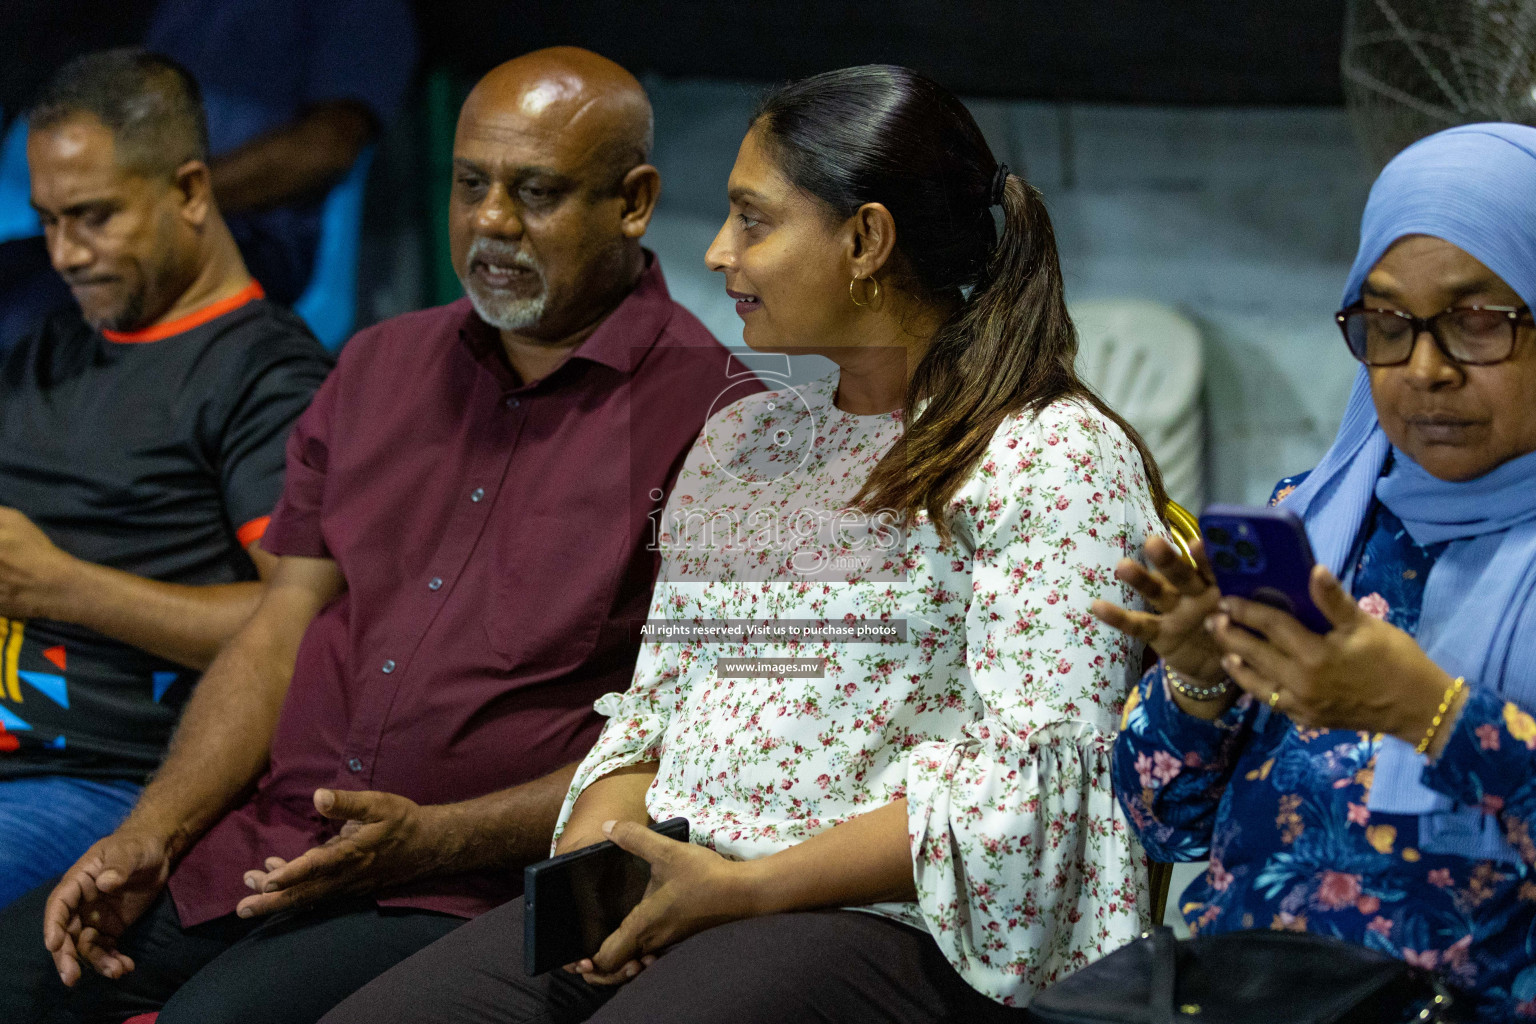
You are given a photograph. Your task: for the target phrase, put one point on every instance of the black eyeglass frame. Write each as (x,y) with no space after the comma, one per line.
(1514,314)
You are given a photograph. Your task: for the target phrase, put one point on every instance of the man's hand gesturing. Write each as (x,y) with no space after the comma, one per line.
(32,569)
(97,899)
(387,840)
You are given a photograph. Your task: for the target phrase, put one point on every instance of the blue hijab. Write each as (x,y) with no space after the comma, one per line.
(1475,187)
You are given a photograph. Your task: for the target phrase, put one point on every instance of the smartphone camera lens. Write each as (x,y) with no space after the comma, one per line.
(1216,535)
(1246,550)
(1226,560)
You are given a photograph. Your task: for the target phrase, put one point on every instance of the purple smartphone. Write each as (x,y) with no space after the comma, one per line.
(1262,554)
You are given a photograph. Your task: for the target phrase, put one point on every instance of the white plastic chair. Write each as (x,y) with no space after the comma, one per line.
(1145,360)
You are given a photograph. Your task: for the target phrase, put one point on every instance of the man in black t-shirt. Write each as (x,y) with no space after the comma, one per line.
(141,449)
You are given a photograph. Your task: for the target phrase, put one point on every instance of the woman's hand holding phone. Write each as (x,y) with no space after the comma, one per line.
(692,888)
(1180,597)
(1364,674)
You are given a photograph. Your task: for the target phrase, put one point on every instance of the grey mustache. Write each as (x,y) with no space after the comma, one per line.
(502,253)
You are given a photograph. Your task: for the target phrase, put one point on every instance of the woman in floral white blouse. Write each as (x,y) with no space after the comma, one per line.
(948,772)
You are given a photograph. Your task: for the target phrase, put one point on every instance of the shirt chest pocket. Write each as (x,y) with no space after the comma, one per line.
(554,588)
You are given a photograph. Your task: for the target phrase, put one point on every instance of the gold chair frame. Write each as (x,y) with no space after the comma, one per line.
(1184,529)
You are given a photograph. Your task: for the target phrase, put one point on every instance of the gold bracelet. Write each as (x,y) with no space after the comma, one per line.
(1188,689)
(1445,705)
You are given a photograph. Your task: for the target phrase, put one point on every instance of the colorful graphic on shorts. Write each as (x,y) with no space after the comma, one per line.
(51,685)
(10,653)
(44,710)
(164,681)
(10,685)
(10,725)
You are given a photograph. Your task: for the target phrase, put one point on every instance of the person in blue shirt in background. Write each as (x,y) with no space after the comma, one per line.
(295,91)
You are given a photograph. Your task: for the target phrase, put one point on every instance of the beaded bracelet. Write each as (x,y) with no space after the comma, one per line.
(1445,705)
(1200,693)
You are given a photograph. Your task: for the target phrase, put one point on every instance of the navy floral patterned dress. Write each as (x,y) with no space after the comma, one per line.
(1282,814)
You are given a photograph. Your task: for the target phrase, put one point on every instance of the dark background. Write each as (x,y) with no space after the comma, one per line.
(1149,51)
(1146,51)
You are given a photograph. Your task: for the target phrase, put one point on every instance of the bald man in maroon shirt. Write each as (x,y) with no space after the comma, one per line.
(463,565)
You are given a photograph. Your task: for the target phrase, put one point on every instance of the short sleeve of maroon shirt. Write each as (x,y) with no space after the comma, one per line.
(494,542)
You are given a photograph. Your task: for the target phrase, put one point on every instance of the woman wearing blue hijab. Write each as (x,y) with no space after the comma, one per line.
(1378,783)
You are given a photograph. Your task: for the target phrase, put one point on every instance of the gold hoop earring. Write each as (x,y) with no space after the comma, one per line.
(871,299)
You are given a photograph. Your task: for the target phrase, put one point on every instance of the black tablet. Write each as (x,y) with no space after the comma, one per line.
(572,902)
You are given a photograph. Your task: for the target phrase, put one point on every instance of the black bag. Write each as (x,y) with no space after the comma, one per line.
(1262,977)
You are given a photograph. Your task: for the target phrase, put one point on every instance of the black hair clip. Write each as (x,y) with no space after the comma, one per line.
(999,181)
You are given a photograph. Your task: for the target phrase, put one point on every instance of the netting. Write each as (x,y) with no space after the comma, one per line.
(1413,67)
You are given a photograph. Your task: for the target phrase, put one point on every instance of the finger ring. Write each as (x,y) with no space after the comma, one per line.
(1274,698)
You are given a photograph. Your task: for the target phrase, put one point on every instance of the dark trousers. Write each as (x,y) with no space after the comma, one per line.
(833,965)
(287,969)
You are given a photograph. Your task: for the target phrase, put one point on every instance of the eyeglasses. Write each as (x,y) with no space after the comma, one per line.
(1470,335)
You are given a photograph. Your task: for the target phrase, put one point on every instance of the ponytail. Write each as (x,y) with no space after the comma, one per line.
(886,134)
(1011,348)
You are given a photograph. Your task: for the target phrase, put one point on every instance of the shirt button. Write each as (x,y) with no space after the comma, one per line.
(477,494)
(388,666)
(353,764)
(512,403)
(435,583)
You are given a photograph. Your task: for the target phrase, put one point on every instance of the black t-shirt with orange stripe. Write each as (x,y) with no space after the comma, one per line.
(157,452)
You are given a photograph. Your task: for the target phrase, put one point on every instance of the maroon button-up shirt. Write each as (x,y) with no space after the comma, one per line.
(494,540)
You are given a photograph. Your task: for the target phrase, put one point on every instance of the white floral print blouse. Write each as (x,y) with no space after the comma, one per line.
(994,718)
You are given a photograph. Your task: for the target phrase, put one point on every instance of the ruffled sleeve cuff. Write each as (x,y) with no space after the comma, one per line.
(1024,866)
(632,736)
